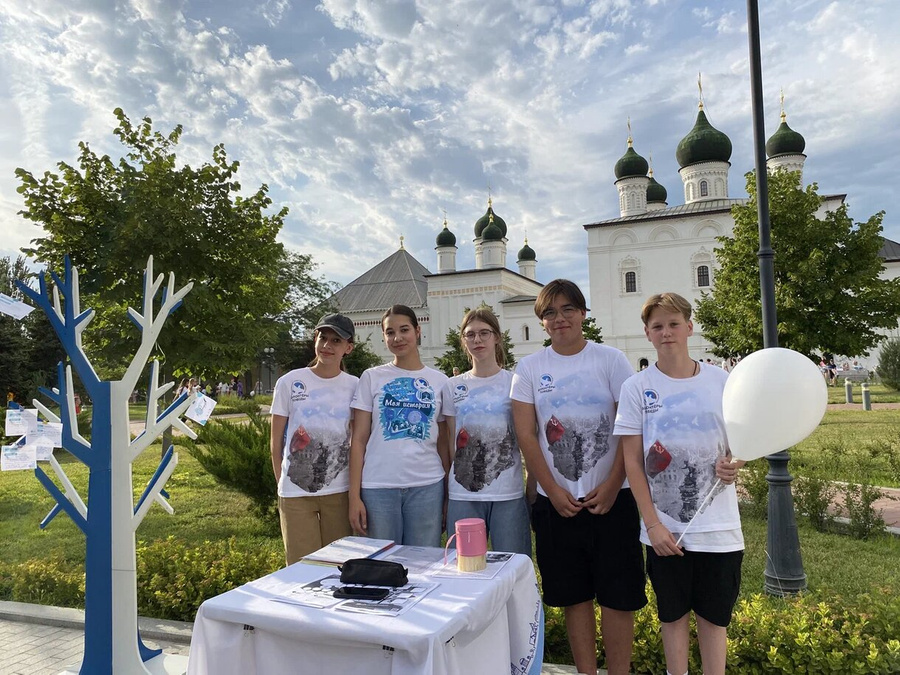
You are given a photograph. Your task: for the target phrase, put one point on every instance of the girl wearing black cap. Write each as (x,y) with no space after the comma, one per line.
(310,460)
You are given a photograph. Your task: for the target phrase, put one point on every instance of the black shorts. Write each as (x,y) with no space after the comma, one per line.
(707,583)
(591,556)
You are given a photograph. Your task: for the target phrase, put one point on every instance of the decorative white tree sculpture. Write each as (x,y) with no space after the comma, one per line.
(112,643)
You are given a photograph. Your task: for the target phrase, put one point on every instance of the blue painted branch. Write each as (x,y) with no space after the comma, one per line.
(162,465)
(61,499)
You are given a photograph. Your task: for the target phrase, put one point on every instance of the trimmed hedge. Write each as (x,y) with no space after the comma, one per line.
(802,634)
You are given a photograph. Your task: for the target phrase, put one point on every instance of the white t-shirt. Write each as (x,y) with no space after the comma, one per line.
(317,452)
(683,435)
(487,465)
(406,406)
(575,402)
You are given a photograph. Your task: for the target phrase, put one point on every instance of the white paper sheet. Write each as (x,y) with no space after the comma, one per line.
(18,458)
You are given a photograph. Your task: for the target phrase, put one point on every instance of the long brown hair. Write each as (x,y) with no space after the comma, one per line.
(487,316)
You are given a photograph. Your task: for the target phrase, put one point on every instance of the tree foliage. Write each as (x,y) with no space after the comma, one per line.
(828,294)
(108,216)
(589,329)
(889,364)
(456,357)
(28,351)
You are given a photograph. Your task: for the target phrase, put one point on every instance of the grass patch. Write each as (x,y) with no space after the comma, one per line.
(878,392)
(204,510)
(852,446)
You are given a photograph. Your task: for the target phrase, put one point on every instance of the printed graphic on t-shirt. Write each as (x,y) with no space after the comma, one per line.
(482,454)
(682,471)
(406,408)
(577,444)
(315,460)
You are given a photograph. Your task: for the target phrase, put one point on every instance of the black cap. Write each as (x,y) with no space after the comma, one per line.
(339,323)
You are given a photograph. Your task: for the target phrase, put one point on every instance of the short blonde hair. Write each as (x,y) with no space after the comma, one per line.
(669,302)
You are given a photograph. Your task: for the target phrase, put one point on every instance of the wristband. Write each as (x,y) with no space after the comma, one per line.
(658,522)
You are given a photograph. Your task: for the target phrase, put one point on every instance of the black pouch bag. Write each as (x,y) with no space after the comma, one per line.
(373,572)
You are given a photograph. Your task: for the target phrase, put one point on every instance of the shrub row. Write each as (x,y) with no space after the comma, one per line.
(802,634)
(173,579)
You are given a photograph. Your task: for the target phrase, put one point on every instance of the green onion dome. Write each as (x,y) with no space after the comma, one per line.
(446,237)
(656,193)
(526,252)
(785,141)
(631,164)
(492,232)
(704,143)
(482,222)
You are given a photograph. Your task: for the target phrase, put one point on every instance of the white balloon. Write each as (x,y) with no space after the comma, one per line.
(773,399)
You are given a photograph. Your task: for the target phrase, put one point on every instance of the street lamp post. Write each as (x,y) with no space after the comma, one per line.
(784,566)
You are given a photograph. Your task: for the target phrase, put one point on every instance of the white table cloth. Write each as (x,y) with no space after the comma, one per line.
(471,626)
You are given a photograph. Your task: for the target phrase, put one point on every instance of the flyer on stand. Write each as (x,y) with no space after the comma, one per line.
(18,458)
(416,559)
(20,421)
(495,562)
(344,549)
(320,594)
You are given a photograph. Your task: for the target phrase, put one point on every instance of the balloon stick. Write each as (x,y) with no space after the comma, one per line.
(699,509)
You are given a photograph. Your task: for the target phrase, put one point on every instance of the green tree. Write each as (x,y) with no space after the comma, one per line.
(828,294)
(589,328)
(28,351)
(456,357)
(109,216)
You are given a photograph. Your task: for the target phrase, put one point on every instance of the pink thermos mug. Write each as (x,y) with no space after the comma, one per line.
(471,544)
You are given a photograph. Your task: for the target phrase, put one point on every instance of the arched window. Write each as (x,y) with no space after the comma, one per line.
(643,362)
(704,188)
(630,282)
(526,333)
(703,275)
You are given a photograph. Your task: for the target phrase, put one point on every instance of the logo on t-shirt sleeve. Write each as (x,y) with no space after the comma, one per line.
(651,401)
(546,384)
(298,391)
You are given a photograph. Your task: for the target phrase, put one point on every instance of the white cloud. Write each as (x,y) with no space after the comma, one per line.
(381,114)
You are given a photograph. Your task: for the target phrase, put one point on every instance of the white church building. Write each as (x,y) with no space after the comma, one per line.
(440,299)
(649,248)
(653,247)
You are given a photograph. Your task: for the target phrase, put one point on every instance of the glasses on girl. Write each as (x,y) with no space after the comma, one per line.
(482,335)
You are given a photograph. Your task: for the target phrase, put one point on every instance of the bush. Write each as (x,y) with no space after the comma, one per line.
(801,634)
(237,454)
(43,582)
(752,482)
(812,497)
(889,364)
(174,579)
(865,521)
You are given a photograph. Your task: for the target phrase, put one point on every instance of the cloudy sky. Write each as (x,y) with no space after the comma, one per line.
(370,118)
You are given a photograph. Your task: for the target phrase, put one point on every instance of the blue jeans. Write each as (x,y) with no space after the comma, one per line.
(507,522)
(409,516)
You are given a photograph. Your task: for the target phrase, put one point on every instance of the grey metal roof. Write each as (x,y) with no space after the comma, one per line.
(890,250)
(709,206)
(520,298)
(399,279)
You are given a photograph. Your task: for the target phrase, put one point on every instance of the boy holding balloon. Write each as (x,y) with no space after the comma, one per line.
(680,471)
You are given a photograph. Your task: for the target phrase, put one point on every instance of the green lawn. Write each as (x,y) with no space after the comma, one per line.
(203,510)
(878,392)
(853,445)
